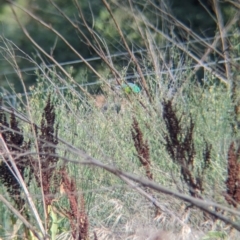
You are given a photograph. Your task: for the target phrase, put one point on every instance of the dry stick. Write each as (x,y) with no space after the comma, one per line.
(214,44)
(18,115)
(211,47)
(56,88)
(110,65)
(183,48)
(208,11)
(140,180)
(49,56)
(15,65)
(19,216)
(49,79)
(76,151)
(145,86)
(32,126)
(23,185)
(148,44)
(88,160)
(223,39)
(233,85)
(152,53)
(8,51)
(235,4)
(217,38)
(154,57)
(44,52)
(140,30)
(59,35)
(150,198)
(185,28)
(129,50)
(100,53)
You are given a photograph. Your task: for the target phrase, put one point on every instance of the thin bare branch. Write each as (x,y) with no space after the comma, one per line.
(44,52)
(179,45)
(234,3)
(23,185)
(222,31)
(98,50)
(145,86)
(191,55)
(217,38)
(201,204)
(20,217)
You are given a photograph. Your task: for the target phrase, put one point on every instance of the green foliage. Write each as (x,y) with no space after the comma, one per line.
(215,235)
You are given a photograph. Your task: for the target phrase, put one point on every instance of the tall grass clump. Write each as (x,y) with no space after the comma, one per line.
(154,163)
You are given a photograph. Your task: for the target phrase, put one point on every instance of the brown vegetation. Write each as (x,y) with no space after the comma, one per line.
(76,215)
(100,100)
(142,148)
(233,180)
(43,167)
(14,140)
(181,148)
(44,171)
(143,151)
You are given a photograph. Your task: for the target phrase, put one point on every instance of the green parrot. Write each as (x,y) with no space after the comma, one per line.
(130,87)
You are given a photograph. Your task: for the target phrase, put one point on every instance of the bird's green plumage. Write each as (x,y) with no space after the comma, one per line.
(130,87)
